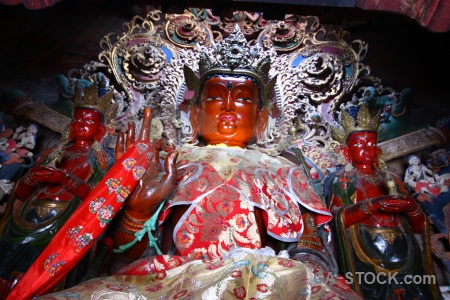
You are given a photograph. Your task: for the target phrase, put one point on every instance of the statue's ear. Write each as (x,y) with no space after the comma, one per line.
(194,113)
(344,150)
(101,133)
(261,123)
(69,133)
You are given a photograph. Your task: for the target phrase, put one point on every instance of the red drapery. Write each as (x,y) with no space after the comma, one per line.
(31,4)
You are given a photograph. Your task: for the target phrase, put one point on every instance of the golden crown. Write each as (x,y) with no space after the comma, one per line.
(364,122)
(233,56)
(90,99)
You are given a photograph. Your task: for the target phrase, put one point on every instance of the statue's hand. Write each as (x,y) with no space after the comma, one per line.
(156,183)
(422,197)
(43,174)
(393,203)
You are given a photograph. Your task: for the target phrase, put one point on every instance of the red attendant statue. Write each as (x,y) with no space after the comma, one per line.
(375,218)
(63,177)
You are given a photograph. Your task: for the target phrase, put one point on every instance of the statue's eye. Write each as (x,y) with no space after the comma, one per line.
(213,99)
(244,100)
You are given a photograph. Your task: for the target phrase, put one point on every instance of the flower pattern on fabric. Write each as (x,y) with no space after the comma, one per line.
(72,232)
(239,292)
(224,186)
(236,274)
(121,191)
(230,278)
(138,172)
(49,260)
(128,163)
(141,147)
(95,204)
(262,287)
(180,294)
(54,268)
(113,184)
(154,288)
(82,241)
(260,270)
(288,263)
(105,215)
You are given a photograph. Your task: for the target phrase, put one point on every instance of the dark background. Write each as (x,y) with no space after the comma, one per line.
(38,44)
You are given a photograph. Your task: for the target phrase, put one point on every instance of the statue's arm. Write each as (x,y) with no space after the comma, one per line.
(154,186)
(27,184)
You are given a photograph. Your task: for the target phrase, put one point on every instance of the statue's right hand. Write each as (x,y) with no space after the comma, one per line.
(43,174)
(393,203)
(156,183)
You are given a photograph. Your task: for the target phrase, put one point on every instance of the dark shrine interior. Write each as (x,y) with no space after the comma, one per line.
(404,49)
(38,44)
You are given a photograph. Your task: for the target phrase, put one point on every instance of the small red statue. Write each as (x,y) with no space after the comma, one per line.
(50,192)
(375,218)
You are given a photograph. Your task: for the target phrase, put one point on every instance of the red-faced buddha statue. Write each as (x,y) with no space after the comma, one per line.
(375,219)
(61,179)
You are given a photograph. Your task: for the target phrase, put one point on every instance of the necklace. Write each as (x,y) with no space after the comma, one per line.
(74,154)
(375,179)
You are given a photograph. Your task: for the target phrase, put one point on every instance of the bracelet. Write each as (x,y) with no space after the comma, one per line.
(131,224)
(366,208)
(414,213)
(27,180)
(370,204)
(73,183)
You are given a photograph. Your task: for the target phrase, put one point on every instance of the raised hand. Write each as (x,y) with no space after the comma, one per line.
(156,183)
(154,186)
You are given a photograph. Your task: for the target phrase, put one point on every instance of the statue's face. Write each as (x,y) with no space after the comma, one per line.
(414,160)
(362,148)
(228,111)
(87,124)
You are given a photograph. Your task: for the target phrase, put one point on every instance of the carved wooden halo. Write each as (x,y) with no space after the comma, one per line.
(185,31)
(137,57)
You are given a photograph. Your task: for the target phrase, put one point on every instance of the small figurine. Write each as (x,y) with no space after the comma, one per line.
(431,186)
(25,139)
(422,179)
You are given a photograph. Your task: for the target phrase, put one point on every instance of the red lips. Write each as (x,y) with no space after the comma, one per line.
(227,117)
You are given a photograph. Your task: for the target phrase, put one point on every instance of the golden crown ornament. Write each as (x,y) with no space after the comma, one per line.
(364,122)
(90,99)
(232,56)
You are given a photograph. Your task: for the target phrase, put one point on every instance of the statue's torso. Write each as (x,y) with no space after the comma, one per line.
(224,189)
(74,163)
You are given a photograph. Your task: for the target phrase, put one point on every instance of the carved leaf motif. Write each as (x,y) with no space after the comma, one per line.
(190,77)
(347,121)
(364,118)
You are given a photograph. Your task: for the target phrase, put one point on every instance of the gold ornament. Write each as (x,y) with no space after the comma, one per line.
(104,104)
(364,122)
(234,56)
